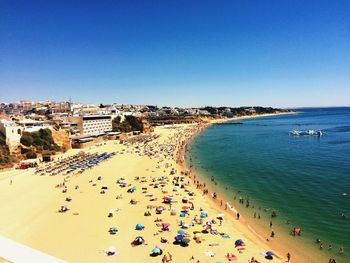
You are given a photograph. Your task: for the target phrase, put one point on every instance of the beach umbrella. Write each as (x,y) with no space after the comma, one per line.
(138,227)
(185,240)
(270,253)
(112,249)
(181,232)
(155,250)
(197,228)
(139,239)
(197,235)
(221,216)
(238,242)
(185,208)
(179,237)
(182,214)
(206,227)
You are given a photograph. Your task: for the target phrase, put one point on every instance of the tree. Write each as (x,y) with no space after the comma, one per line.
(26,139)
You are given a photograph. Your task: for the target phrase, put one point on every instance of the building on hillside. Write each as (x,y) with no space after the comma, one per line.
(12,133)
(26,104)
(30,125)
(92,124)
(61,107)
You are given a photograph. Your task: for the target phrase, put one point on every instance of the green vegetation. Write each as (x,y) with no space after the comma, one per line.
(5,157)
(131,123)
(40,140)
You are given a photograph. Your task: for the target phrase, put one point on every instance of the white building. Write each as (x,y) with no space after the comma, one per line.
(12,133)
(30,125)
(93,124)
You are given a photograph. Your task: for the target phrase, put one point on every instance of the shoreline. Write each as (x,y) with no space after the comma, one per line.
(281,249)
(70,236)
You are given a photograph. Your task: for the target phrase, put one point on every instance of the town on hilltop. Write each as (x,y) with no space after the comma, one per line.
(31,130)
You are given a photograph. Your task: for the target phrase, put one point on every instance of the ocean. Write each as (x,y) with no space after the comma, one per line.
(305,179)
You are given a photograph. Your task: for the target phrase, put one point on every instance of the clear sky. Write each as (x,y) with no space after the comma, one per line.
(178,53)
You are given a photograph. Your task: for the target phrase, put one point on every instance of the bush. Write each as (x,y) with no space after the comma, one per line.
(26,139)
(42,140)
(31,155)
(25,150)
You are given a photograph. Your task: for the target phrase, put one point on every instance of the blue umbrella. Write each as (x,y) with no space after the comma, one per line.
(181,232)
(269,253)
(179,237)
(139,227)
(155,250)
(238,242)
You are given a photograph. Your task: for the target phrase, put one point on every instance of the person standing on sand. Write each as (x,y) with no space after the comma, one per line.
(238,215)
(288,257)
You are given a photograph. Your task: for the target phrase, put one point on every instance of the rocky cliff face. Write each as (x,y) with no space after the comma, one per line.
(61,138)
(146,126)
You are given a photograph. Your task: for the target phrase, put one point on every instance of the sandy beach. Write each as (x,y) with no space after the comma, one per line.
(148,173)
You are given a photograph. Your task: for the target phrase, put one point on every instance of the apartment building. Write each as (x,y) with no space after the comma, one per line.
(93,124)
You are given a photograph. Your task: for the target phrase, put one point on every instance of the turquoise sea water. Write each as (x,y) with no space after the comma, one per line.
(303,178)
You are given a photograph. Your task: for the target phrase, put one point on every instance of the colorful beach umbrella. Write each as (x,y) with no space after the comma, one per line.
(181,232)
(179,237)
(155,250)
(197,228)
(185,240)
(139,227)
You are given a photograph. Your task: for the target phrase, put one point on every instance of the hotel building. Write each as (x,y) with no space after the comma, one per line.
(93,124)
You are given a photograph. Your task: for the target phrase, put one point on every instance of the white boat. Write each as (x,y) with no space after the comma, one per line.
(308,132)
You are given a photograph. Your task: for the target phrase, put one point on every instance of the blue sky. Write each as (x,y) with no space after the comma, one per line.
(180,53)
